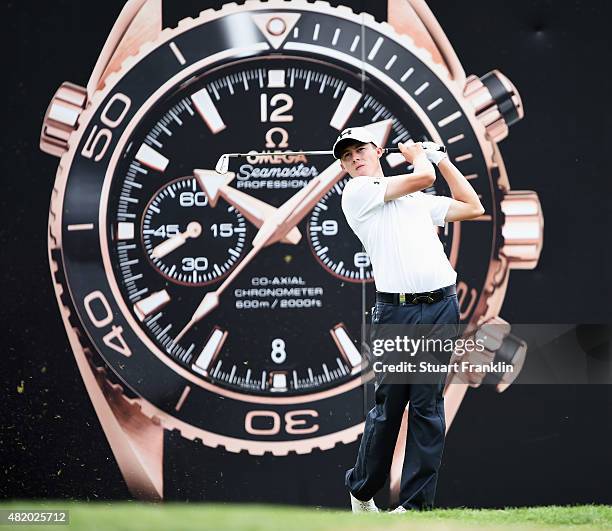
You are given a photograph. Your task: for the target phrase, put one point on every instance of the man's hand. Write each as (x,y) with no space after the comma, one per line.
(433,152)
(423,175)
(411,150)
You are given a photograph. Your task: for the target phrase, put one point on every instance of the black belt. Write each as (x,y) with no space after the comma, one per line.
(427,297)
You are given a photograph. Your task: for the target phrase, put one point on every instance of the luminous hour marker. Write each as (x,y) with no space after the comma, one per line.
(177,53)
(151,158)
(450,118)
(348,103)
(461,158)
(407,74)
(390,62)
(276,78)
(395,159)
(375,48)
(151,304)
(278,381)
(209,352)
(347,348)
(454,139)
(205,106)
(80,226)
(181,400)
(434,104)
(125,231)
(336,35)
(421,88)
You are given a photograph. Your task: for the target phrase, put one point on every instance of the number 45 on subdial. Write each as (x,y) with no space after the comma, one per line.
(333,242)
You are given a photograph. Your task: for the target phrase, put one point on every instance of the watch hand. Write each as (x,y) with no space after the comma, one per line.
(255,210)
(275,227)
(194,229)
(211,299)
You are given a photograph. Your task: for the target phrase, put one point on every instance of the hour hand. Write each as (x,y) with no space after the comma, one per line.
(194,229)
(255,210)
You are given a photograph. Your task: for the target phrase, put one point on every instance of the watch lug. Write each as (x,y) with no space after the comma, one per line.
(415,19)
(141,453)
(136,440)
(140,21)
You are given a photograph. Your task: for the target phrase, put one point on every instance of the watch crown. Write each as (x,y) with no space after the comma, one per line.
(523,229)
(496,101)
(61,118)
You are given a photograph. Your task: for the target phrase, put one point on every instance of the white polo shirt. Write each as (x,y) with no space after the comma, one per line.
(399,236)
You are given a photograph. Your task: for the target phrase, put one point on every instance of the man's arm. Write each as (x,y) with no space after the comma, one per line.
(465,203)
(423,176)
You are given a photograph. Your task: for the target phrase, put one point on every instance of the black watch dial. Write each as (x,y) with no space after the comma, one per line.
(256,339)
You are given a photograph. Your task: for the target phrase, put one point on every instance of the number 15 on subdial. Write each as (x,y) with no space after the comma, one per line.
(334,243)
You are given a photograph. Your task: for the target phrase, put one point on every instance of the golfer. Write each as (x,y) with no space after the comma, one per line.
(415,284)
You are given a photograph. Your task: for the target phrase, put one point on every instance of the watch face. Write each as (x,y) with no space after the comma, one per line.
(255,340)
(147,246)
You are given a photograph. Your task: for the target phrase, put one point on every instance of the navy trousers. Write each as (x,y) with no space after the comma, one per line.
(426,423)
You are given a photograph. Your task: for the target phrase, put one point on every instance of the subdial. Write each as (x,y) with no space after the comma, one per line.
(187,240)
(332,241)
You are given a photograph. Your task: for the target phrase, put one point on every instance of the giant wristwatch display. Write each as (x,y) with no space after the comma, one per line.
(223,357)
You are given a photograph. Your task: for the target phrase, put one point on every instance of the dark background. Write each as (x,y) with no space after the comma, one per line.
(531,445)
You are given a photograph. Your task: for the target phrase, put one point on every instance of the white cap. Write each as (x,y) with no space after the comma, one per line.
(350,135)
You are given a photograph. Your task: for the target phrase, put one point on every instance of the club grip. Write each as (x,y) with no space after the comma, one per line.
(397,150)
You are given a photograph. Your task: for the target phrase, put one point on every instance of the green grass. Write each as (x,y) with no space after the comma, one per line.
(138,516)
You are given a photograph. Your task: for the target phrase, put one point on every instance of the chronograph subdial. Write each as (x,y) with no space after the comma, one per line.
(332,241)
(187,240)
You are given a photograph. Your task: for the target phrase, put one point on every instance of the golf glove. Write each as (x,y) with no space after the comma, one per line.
(432,150)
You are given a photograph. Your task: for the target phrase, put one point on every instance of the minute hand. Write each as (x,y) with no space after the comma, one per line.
(276,227)
(255,210)
(324,182)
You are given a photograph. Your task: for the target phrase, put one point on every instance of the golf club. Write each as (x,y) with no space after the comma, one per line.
(223,162)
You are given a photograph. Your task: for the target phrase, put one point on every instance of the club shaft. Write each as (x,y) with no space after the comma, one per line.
(261,153)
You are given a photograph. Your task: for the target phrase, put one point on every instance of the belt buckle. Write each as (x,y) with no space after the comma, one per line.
(402,298)
(425,298)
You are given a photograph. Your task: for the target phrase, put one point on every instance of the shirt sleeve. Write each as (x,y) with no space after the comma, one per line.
(361,197)
(438,207)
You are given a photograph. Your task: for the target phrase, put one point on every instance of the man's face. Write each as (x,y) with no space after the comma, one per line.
(361,159)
